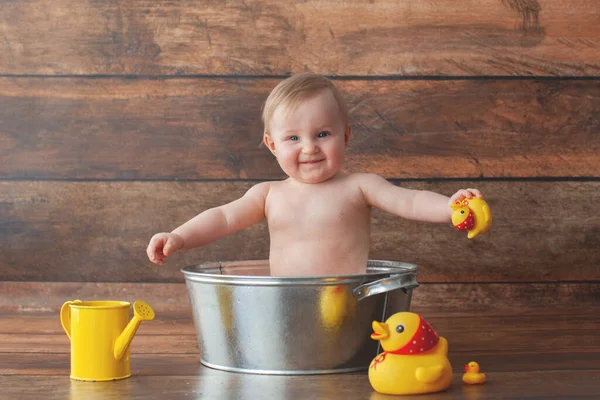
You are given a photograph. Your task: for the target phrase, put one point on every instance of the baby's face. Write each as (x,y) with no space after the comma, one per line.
(310,142)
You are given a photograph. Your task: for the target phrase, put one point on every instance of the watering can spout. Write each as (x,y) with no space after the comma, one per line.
(141,312)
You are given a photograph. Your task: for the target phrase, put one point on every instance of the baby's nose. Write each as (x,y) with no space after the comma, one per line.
(309,147)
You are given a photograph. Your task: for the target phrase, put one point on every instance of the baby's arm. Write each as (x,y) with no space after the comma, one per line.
(420,205)
(211,224)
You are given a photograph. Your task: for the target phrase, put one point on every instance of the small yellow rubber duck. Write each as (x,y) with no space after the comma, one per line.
(415,358)
(472,375)
(472,215)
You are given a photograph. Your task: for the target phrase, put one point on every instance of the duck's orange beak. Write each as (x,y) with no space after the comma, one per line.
(381,331)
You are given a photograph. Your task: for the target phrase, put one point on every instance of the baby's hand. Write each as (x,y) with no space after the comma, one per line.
(163,244)
(464,193)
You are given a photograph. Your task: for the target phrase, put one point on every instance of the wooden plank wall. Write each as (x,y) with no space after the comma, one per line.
(121,119)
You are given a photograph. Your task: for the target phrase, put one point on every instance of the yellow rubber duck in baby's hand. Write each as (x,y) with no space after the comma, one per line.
(472,215)
(415,358)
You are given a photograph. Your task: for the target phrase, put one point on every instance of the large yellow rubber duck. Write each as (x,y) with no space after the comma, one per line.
(472,215)
(415,358)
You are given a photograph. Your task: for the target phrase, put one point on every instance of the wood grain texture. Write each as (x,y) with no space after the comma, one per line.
(454,319)
(435,300)
(98,231)
(210,128)
(581,354)
(217,385)
(490,340)
(269,37)
(35,363)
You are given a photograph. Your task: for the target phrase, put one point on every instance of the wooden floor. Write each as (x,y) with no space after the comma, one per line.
(527,353)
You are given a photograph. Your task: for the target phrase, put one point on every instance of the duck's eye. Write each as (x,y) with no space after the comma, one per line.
(400,328)
(462,212)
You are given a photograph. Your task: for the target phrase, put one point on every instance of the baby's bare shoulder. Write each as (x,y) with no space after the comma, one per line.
(365,180)
(274,186)
(369,185)
(274,191)
(362,176)
(260,190)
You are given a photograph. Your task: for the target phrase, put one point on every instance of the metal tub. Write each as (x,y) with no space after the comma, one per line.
(248,321)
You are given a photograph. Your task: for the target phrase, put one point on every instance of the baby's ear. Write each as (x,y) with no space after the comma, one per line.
(347,134)
(269,143)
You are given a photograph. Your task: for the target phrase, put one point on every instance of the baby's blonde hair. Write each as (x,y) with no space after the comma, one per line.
(290,92)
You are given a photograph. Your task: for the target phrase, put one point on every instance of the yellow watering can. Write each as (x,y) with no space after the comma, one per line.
(100,333)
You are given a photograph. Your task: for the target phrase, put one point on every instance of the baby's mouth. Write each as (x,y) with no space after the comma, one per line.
(311,161)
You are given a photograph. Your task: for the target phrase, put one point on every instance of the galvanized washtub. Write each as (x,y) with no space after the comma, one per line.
(248,321)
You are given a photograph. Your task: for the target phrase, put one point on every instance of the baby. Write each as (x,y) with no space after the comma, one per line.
(318,218)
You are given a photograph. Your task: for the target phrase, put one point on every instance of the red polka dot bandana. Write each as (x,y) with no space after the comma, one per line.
(425,338)
(469,222)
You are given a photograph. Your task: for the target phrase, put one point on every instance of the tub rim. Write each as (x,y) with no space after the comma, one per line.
(211,272)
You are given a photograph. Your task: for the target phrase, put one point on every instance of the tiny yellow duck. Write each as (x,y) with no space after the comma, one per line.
(472,215)
(472,375)
(415,358)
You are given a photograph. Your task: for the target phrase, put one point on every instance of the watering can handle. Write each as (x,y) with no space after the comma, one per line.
(65,316)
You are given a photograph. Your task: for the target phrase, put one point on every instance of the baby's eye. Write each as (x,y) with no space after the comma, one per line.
(323,134)
(293,138)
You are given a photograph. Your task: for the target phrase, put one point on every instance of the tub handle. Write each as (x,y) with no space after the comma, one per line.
(405,282)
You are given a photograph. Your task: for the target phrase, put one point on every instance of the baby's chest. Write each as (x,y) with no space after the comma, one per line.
(314,212)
